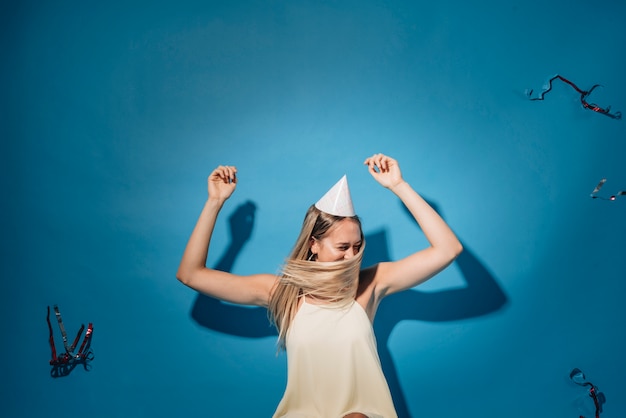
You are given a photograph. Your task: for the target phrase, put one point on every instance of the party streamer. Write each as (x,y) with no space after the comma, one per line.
(598,397)
(583,94)
(612,197)
(63,364)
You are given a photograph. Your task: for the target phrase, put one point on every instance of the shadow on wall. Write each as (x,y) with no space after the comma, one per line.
(481,296)
(211,313)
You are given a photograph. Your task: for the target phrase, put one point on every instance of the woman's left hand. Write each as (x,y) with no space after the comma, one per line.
(385,170)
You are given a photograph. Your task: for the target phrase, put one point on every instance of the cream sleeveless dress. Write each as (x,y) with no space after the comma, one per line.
(333,366)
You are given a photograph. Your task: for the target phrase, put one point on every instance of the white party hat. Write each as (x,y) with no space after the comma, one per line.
(337,200)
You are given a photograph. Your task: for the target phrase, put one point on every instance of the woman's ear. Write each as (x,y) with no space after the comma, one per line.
(314,245)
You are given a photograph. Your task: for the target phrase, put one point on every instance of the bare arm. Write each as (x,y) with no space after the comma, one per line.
(392,277)
(192,271)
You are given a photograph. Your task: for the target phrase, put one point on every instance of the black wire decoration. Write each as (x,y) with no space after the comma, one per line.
(583,94)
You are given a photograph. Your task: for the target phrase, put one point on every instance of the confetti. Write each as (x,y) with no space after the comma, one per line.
(612,197)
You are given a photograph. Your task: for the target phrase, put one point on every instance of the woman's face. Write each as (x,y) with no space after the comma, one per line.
(341,242)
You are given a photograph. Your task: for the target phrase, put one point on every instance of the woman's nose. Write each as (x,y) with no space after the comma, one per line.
(349,254)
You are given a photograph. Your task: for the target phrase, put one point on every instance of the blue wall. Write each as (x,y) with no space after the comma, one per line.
(114,113)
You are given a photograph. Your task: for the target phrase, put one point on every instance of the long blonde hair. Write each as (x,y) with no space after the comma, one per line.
(335,282)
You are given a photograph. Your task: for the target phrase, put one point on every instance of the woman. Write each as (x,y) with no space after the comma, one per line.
(323,304)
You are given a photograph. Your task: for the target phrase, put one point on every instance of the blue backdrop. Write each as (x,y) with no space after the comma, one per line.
(113,114)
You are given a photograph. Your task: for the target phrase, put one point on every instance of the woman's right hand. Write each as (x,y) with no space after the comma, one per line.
(222,182)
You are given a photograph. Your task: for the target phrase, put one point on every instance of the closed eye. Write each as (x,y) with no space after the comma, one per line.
(344,247)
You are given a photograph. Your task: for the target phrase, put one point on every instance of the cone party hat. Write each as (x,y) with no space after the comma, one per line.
(337,200)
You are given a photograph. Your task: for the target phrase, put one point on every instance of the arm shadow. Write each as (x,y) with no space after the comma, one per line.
(211,313)
(481,295)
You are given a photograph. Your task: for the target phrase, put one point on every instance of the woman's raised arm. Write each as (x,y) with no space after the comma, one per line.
(392,277)
(192,271)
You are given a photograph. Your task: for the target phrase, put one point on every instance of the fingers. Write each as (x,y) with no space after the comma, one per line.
(227,173)
(379,163)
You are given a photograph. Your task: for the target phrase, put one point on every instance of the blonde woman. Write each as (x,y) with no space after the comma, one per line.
(323,304)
